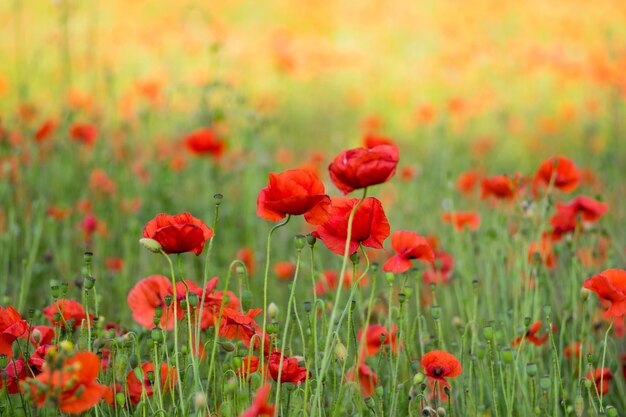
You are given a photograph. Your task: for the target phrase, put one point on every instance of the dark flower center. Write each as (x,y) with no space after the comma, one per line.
(438,371)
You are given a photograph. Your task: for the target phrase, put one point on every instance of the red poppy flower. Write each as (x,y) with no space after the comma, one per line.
(601,378)
(246,255)
(467,181)
(370,227)
(294,192)
(179,233)
(259,406)
(610,285)
(12,326)
(37,360)
(291,372)
(544,250)
(531,335)
(41,335)
(566,217)
(114,264)
(69,310)
(101,183)
(440,365)
(45,130)
(367,379)
(84,132)
(329,280)
(89,225)
(136,387)
(462,219)
(359,168)
(440,270)
(377,336)
(371,140)
(564,171)
(408,246)
(205,142)
(285,270)
(236,325)
(249,365)
(73,388)
(15,371)
(501,186)
(573,350)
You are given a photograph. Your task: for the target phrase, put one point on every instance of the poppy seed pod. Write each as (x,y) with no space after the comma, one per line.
(217,198)
(531,369)
(300,241)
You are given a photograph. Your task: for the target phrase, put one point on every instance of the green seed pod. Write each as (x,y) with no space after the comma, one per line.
(193,299)
(89,283)
(507,355)
(611,411)
(579,405)
(488,333)
(401,298)
(531,369)
(237,362)
(380,391)
(184,304)
(308,306)
(300,241)
(168,300)
(370,403)
(588,383)
(55,290)
(120,399)
(435,311)
(544,382)
(389,277)
(310,239)
(217,199)
(157,335)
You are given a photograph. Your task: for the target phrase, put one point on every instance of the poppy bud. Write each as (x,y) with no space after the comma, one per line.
(199,400)
(611,411)
(217,198)
(340,352)
(227,346)
(457,322)
(193,299)
(300,241)
(308,306)
(579,405)
(66,345)
(527,322)
(488,333)
(272,311)
(418,378)
(89,283)
(380,391)
(441,412)
(584,293)
(119,398)
(369,402)
(531,369)
(310,239)
(389,277)
(507,355)
(544,382)
(237,362)
(157,335)
(151,244)
(246,300)
(36,336)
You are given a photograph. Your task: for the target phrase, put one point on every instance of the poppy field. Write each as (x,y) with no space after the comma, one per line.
(316,208)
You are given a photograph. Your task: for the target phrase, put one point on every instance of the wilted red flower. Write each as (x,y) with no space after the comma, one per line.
(12,326)
(73,388)
(376,336)
(136,387)
(467,181)
(462,219)
(291,372)
(205,142)
(45,130)
(440,365)
(408,246)
(294,192)
(601,378)
(531,335)
(236,325)
(500,186)
(84,132)
(367,379)
(564,171)
(15,371)
(610,285)
(179,233)
(566,217)
(285,270)
(371,140)
(259,406)
(440,270)
(69,310)
(370,227)
(360,167)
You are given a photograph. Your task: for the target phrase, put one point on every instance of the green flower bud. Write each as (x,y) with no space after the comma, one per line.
(300,241)
(151,244)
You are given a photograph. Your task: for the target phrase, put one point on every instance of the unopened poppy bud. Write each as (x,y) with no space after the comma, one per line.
(308,306)
(584,293)
(369,402)
(300,241)
(168,300)
(237,362)
(134,361)
(151,244)
(193,299)
(457,322)
(380,391)
(527,321)
(310,239)
(157,335)
(199,400)
(340,352)
(418,378)
(611,411)
(89,283)
(531,369)
(587,382)
(354,258)
(408,291)
(66,346)
(227,346)
(435,311)
(507,355)
(441,412)
(246,300)
(217,198)
(272,311)
(119,398)
(389,277)
(54,290)
(36,336)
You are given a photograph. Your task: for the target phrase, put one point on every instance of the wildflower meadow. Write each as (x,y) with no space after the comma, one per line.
(318,208)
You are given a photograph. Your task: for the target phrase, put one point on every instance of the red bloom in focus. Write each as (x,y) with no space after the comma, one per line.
(236,325)
(367,379)
(69,310)
(45,130)
(610,285)
(285,270)
(566,217)
(73,388)
(259,406)
(84,132)
(531,335)
(294,192)
(370,227)
(205,142)
(440,365)
(564,171)
(601,378)
(376,336)
(408,245)
(291,372)
(249,365)
(11,327)
(359,168)
(501,187)
(440,270)
(462,219)
(179,233)
(372,140)
(135,386)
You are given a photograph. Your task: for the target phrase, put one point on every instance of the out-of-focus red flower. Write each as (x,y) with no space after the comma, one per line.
(573,350)
(136,387)
(503,187)
(462,219)
(601,378)
(370,226)
(329,280)
(59,213)
(360,167)
(84,133)
(45,130)
(259,406)
(440,365)
(37,360)
(531,335)
(467,181)
(440,270)
(594,257)
(610,285)
(566,217)
(101,183)
(69,310)
(285,270)
(73,389)
(205,142)
(89,225)
(246,255)
(377,336)
(367,379)
(179,233)
(408,246)
(564,171)
(115,264)
(294,192)
(291,372)
(544,250)
(371,140)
